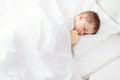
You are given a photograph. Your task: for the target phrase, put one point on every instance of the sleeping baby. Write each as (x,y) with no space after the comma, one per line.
(85,23)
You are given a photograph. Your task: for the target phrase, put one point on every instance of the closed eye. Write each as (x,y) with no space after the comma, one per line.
(85,34)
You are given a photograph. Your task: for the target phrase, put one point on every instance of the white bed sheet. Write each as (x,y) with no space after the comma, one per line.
(99,56)
(109,72)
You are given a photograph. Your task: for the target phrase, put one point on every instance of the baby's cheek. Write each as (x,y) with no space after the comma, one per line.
(78,28)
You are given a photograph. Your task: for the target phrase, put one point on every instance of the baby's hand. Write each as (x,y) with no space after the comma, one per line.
(74,37)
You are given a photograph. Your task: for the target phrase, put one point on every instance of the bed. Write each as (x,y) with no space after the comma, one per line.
(35,41)
(101,62)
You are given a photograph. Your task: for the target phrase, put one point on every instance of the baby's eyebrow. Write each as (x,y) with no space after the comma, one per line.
(85,34)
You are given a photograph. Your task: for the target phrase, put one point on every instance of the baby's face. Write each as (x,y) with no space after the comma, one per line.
(82,26)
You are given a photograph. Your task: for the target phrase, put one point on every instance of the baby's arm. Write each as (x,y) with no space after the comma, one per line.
(74,37)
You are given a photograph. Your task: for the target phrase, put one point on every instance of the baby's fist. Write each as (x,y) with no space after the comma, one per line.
(74,37)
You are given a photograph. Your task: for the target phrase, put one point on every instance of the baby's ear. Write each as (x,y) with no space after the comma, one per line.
(81,16)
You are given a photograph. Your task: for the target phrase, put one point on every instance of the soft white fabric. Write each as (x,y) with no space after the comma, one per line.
(109,72)
(112,8)
(99,56)
(35,44)
(19,59)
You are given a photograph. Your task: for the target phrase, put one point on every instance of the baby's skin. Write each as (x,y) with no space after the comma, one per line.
(74,37)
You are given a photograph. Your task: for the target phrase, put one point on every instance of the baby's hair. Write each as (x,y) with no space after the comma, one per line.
(92,18)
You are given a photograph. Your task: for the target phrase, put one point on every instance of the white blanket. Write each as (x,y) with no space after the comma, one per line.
(35,43)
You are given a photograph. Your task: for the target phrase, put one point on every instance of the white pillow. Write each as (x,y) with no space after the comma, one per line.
(111,7)
(107,28)
(102,54)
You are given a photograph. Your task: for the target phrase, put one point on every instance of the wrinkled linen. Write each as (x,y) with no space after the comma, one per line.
(35,42)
